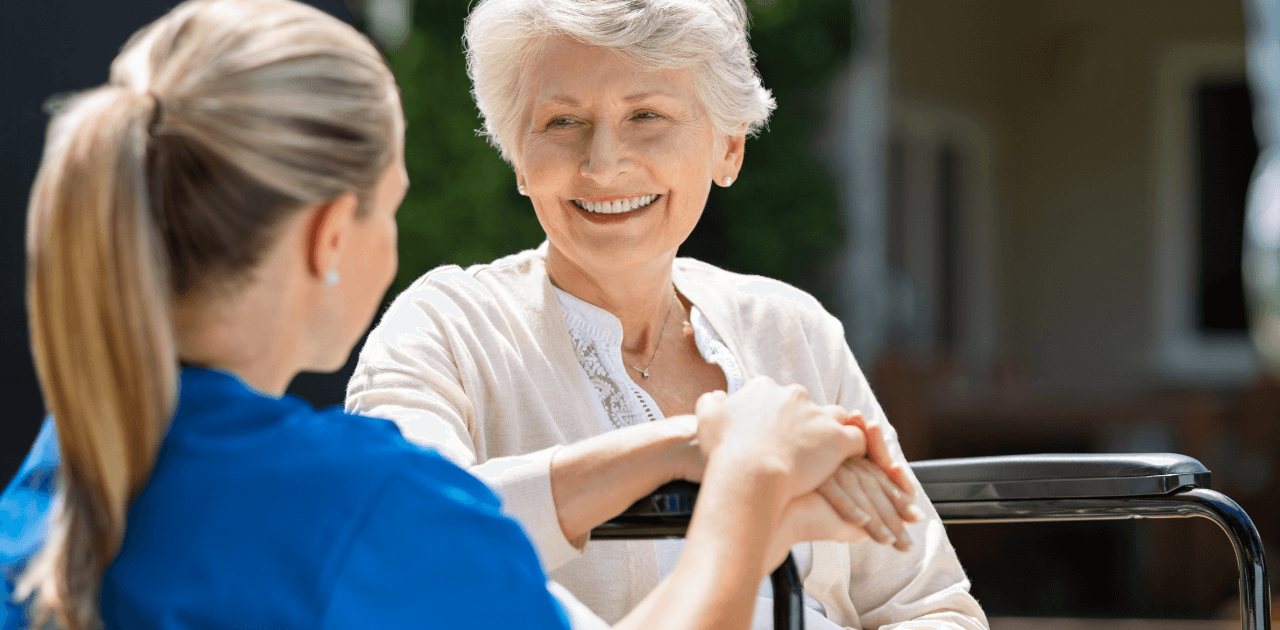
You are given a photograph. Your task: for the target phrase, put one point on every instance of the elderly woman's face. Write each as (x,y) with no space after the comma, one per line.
(617,161)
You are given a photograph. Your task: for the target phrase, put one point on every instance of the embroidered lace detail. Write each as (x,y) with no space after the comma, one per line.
(712,348)
(611,396)
(596,336)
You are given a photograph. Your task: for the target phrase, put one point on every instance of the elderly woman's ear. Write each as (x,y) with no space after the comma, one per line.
(731,159)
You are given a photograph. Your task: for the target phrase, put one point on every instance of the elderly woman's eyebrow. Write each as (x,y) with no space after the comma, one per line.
(563,101)
(568,101)
(644,96)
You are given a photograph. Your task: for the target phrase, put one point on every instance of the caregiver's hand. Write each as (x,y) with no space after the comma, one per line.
(779,428)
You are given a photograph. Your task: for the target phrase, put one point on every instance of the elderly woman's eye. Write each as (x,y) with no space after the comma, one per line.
(560,122)
(647,116)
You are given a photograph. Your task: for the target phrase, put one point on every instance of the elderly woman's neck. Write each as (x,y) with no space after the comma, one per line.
(640,296)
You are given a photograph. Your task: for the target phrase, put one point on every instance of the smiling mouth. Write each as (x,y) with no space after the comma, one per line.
(618,206)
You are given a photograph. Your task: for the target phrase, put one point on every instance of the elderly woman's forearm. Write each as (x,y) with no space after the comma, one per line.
(596,479)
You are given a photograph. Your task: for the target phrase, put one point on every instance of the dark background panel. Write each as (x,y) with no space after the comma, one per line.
(49,47)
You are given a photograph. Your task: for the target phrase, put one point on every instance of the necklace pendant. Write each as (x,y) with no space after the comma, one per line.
(644,373)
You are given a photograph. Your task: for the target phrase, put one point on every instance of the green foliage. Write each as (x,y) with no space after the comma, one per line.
(780,219)
(462,206)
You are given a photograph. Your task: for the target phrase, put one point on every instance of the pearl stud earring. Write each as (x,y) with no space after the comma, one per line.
(331,278)
(728,181)
(520,187)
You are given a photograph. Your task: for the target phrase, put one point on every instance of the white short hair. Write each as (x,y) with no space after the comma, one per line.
(708,37)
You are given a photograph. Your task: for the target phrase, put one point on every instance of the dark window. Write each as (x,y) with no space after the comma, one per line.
(1226,153)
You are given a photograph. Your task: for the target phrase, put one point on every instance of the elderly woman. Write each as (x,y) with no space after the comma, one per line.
(564,376)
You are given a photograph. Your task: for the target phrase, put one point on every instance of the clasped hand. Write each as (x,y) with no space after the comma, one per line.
(842,481)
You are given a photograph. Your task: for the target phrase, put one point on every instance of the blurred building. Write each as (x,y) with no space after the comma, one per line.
(1062,210)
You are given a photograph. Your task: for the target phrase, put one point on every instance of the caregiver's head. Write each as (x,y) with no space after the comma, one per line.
(240,148)
(617,115)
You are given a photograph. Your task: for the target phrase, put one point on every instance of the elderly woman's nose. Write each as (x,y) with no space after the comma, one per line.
(606,156)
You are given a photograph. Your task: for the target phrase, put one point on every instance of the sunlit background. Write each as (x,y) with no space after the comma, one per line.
(1030,215)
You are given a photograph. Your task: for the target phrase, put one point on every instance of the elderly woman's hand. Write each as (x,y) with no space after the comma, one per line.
(862,493)
(872,494)
(876,492)
(778,427)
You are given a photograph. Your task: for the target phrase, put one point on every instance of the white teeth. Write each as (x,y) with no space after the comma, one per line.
(615,207)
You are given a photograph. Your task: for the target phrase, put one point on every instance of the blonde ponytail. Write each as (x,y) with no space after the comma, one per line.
(98,298)
(220,119)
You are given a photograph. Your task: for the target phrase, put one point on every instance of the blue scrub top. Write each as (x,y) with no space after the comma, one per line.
(265,513)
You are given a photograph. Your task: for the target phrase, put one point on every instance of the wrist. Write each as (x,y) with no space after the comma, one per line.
(682,457)
(753,460)
(763,478)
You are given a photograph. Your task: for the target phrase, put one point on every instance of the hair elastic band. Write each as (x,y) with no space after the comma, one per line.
(157,112)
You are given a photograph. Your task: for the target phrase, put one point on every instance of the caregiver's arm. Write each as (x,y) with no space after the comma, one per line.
(718,573)
(765,446)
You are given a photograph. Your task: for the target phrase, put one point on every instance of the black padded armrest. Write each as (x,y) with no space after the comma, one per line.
(663,514)
(1058,476)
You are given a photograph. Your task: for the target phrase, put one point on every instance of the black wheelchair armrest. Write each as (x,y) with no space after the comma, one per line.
(663,514)
(1014,477)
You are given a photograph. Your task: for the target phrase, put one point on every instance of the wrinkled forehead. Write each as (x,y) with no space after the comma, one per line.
(563,72)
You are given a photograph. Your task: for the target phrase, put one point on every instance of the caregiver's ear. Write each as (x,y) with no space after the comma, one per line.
(328,232)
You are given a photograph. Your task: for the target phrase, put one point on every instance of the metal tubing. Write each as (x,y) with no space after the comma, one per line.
(1255,593)
(788,596)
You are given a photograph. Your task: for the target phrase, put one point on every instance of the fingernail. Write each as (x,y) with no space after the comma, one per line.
(915,513)
(886,534)
(860,518)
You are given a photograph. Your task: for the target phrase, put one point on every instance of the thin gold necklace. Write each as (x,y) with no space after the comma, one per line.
(644,371)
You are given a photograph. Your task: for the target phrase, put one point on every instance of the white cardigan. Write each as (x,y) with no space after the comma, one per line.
(478,364)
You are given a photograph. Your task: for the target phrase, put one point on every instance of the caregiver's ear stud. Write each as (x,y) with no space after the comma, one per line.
(331,278)
(728,181)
